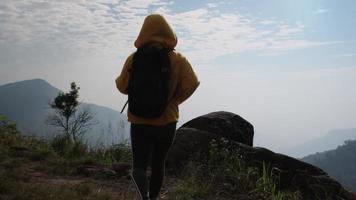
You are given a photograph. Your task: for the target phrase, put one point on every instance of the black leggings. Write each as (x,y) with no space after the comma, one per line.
(150,143)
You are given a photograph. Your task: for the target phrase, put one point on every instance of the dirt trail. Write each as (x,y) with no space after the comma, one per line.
(121,189)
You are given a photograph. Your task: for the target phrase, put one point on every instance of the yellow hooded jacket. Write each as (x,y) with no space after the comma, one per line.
(156,31)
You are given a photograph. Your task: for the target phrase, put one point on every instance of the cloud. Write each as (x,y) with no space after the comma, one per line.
(211,5)
(267,22)
(69,28)
(321,11)
(72,25)
(207,33)
(286,30)
(349,55)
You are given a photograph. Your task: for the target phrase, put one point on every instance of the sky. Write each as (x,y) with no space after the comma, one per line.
(286,66)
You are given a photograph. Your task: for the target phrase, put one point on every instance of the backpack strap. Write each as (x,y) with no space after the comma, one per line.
(124,106)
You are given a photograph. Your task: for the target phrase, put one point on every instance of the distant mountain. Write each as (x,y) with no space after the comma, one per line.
(339,163)
(26,103)
(330,141)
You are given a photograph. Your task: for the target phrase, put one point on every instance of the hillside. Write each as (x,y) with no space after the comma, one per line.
(213,157)
(330,141)
(32,169)
(221,143)
(26,103)
(340,163)
(211,163)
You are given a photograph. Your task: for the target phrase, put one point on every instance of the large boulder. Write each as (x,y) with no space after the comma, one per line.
(225,124)
(194,138)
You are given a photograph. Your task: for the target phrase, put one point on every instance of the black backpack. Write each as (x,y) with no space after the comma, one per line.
(148,86)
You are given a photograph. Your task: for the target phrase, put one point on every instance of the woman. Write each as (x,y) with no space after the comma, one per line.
(151,138)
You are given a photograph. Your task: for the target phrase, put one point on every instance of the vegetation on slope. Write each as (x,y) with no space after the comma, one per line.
(339,163)
(223,175)
(35,169)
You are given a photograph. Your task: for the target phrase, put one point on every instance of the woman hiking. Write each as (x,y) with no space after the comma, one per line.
(157,80)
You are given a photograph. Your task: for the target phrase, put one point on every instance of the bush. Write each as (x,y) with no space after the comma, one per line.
(121,152)
(65,147)
(78,150)
(13,144)
(60,144)
(7,126)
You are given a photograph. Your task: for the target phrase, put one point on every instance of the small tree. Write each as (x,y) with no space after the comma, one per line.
(67,117)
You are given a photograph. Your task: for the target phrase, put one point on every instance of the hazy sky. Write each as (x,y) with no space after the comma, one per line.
(287,66)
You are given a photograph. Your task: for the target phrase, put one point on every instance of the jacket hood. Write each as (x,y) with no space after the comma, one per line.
(156,29)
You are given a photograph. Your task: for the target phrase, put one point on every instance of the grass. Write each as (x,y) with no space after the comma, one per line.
(223,175)
(15,189)
(36,169)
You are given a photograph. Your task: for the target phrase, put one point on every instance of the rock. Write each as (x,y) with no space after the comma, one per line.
(225,124)
(295,174)
(189,143)
(194,137)
(122,169)
(193,141)
(97,171)
(117,170)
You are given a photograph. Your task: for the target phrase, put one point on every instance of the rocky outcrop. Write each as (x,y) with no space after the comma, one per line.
(193,141)
(194,137)
(225,124)
(295,174)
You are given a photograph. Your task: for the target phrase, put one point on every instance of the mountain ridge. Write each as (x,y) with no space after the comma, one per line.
(340,163)
(331,140)
(26,103)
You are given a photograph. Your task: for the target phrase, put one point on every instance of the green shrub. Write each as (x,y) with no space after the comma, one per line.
(121,152)
(61,144)
(40,154)
(7,126)
(65,147)
(78,150)
(8,139)
(116,153)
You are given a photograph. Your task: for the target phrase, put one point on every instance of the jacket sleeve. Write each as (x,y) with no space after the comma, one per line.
(187,82)
(122,81)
